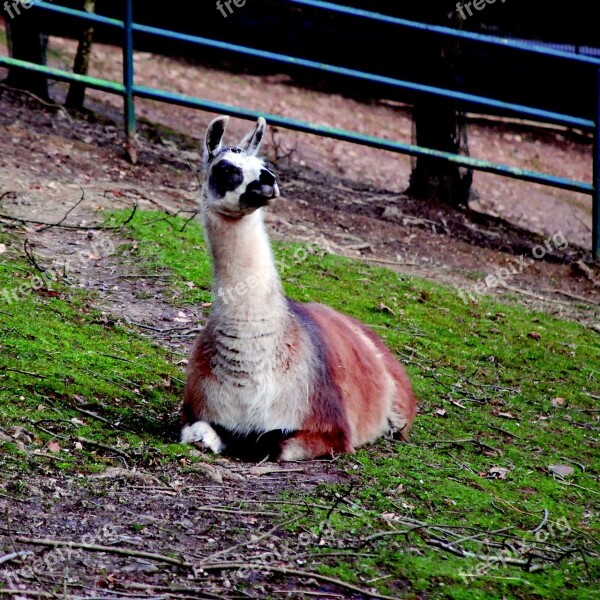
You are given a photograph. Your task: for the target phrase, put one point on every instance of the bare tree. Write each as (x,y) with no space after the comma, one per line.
(76,94)
(438,124)
(26,42)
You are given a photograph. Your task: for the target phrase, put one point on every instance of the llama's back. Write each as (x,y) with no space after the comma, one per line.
(375,389)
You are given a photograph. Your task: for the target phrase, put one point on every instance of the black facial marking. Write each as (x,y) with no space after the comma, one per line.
(259,192)
(266,177)
(224,177)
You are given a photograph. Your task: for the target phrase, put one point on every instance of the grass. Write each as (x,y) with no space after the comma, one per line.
(503,392)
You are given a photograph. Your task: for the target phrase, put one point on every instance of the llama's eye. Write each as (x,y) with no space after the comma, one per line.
(225,177)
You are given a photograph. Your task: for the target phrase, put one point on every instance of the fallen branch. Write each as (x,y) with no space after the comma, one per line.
(303,574)
(13,555)
(251,541)
(196,592)
(83,440)
(50,104)
(46,225)
(511,560)
(536,296)
(571,295)
(108,549)
(17,593)
(11,370)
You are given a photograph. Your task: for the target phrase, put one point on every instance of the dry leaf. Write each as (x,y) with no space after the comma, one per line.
(561,470)
(558,402)
(440,412)
(534,335)
(390,517)
(2,248)
(53,447)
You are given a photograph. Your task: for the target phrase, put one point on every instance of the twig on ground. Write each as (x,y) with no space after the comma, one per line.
(543,523)
(194,591)
(12,370)
(505,432)
(338,500)
(520,562)
(64,218)
(17,593)
(168,216)
(570,295)
(75,227)
(89,442)
(139,276)
(251,541)
(59,107)
(89,413)
(31,257)
(297,573)
(460,442)
(13,555)
(306,593)
(108,549)
(536,296)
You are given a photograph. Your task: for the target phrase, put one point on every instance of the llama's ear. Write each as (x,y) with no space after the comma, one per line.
(251,143)
(214,135)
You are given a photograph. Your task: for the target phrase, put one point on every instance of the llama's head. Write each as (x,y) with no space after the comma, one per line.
(237,180)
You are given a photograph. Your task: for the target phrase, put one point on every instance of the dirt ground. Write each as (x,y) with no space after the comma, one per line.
(352,196)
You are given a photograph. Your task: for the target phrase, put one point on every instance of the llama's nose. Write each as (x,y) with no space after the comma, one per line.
(266,177)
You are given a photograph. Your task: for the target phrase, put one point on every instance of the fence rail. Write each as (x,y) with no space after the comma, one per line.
(129,91)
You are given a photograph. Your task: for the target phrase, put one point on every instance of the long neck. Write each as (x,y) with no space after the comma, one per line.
(245,278)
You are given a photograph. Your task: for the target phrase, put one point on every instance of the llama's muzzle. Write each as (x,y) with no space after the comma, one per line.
(259,192)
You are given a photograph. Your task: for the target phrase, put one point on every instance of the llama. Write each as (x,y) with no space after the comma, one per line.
(267,374)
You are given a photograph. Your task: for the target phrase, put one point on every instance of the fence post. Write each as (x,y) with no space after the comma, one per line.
(128,75)
(596,182)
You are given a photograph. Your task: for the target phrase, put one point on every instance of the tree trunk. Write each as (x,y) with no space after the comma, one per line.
(438,125)
(76,94)
(26,42)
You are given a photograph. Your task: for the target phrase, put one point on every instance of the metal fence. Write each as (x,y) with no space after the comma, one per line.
(129,90)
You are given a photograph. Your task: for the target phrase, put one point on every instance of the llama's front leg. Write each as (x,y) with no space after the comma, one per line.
(306,445)
(202,433)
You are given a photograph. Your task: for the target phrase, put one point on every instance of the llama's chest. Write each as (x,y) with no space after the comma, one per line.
(259,381)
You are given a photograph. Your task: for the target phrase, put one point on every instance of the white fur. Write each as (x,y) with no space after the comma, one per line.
(251,167)
(252,388)
(202,433)
(293,451)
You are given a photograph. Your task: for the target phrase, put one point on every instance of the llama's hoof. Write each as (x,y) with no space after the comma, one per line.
(203,434)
